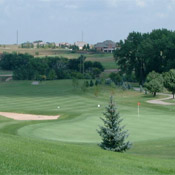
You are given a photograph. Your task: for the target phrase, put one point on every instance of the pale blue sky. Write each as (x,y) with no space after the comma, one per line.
(64,20)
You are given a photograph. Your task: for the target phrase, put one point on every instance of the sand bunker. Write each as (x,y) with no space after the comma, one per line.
(17,116)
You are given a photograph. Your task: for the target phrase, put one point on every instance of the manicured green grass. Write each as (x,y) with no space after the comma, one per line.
(69,145)
(170,101)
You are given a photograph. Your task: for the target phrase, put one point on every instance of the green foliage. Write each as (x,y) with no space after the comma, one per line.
(96,72)
(116,78)
(96,82)
(86,47)
(91,84)
(124,86)
(113,136)
(11,61)
(26,67)
(154,82)
(144,53)
(169,81)
(87,83)
(108,81)
(98,65)
(81,60)
(37,53)
(74,48)
(27,45)
(52,75)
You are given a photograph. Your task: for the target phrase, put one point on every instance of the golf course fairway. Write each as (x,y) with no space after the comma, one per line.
(69,145)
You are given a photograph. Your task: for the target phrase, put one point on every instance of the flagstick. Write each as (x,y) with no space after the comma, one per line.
(138,112)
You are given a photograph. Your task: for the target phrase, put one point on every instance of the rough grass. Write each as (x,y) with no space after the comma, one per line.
(55,147)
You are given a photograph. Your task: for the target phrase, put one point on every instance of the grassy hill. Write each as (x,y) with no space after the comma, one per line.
(69,145)
(106,59)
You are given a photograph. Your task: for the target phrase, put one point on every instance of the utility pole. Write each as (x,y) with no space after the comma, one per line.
(17,40)
(17,37)
(82,36)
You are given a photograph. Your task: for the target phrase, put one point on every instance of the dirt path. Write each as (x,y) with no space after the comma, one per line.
(17,116)
(161,101)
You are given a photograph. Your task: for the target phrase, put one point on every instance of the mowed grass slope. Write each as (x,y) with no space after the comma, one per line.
(69,145)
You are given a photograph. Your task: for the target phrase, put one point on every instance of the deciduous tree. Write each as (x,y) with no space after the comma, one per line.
(154,83)
(169,81)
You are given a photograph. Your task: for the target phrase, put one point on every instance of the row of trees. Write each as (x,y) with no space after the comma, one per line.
(155,82)
(38,45)
(141,54)
(26,67)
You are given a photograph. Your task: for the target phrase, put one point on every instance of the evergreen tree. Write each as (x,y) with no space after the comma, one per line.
(91,83)
(113,136)
(87,83)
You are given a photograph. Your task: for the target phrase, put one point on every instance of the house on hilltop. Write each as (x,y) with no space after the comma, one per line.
(80,44)
(107,46)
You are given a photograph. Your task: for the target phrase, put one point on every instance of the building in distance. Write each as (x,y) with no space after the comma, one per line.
(63,45)
(80,44)
(107,46)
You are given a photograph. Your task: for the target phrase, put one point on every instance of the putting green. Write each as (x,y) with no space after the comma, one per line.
(153,123)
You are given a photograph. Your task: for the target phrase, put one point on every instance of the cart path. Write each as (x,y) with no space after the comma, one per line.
(161,101)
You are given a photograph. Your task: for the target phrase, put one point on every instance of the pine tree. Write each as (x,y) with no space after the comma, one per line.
(113,136)
(91,83)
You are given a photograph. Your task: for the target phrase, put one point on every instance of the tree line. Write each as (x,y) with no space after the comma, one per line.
(140,54)
(38,45)
(27,67)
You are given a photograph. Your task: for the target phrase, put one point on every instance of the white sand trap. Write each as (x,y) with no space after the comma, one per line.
(17,116)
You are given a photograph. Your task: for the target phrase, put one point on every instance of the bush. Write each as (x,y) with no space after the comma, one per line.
(124,86)
(116,78)
(108,81)
(96,72)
